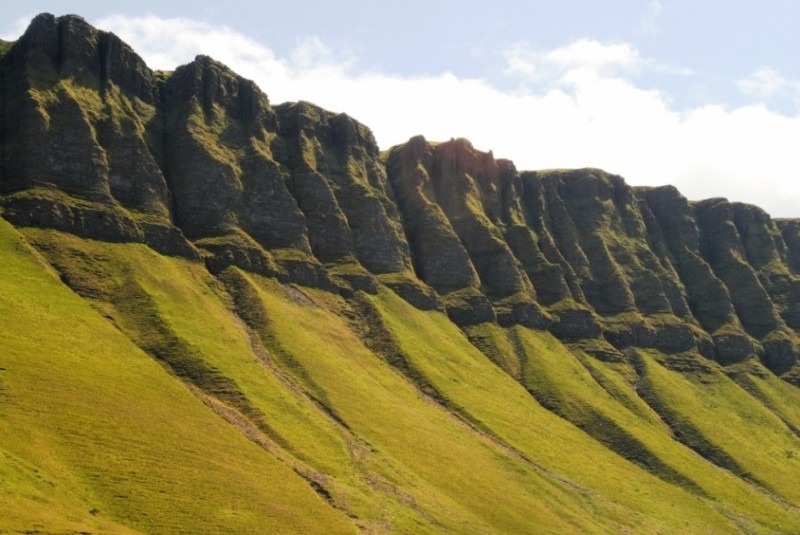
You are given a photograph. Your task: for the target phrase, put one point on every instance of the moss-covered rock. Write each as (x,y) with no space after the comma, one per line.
(338,178)
(439,256)
(97,144)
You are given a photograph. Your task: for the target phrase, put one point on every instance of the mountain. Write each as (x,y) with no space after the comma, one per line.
(224,315)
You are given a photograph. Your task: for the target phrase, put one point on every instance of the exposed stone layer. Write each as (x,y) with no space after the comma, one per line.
(198,163)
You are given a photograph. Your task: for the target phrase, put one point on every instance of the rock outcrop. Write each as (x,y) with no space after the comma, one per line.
(198,163)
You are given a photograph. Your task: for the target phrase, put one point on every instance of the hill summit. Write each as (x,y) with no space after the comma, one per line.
(251,318)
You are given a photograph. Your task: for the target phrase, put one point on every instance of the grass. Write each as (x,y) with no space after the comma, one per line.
(371,414)
(780,397)
(491,339)
(753,437)
(444,456)
(600,399)
(102,439)
(181,315)
(180,302)
(5,46)
(502,406)
(631,427)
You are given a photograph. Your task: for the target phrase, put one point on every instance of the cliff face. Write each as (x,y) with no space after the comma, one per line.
(197,163)
(221,315)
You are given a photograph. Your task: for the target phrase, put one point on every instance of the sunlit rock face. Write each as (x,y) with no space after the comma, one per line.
(198,163)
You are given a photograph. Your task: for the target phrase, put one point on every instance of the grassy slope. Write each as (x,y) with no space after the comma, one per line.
(96,435)
(467,379)
(615,414)
(178,303)
(464,481)
(780,397)
(82,457)
(736,423)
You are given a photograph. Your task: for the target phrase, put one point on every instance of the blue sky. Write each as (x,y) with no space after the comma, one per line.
(704,95)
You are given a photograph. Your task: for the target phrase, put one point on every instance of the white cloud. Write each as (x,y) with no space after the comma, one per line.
(766,83)
(577,106)
(168,43)
(585,54)
(311,53)
(588,52)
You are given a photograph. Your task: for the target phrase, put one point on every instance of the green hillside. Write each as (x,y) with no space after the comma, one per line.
(167,400)
(223,316)
(99,437)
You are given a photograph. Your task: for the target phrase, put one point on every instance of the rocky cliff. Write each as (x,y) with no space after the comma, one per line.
(221,315)
(198,163)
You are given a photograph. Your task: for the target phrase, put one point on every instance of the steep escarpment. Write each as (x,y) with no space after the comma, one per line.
(593,259)
(222,314)
(126,154)
(77,103)
(198,163)
(601,261)
(451,205)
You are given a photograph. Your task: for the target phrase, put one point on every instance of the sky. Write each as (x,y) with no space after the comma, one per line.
(700,94)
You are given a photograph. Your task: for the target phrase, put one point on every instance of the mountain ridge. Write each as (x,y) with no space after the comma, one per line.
(594,298)
(202,154)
